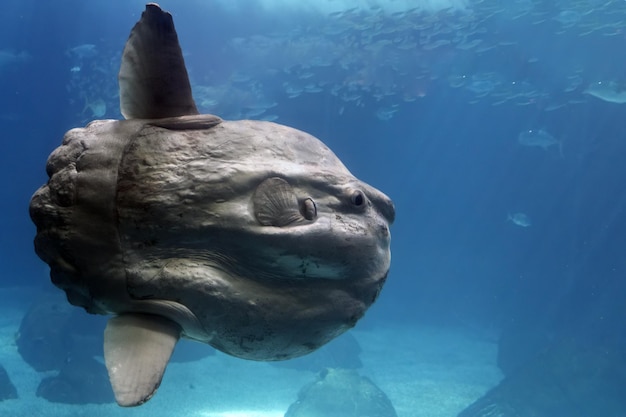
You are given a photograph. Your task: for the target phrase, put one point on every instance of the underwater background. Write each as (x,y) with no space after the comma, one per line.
(497,128)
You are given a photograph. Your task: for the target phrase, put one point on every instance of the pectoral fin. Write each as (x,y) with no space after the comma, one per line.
(137,348)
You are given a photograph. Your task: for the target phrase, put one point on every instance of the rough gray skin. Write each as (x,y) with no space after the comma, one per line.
(251,236)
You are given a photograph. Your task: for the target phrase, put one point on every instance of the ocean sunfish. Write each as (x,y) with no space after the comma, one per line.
(250,236)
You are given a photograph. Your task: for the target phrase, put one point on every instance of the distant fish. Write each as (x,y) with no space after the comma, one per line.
(386,113)
(554,106)
(519,219)
(97,107)
(292,90)
(539,138)
(269,117)
(568,18)
(610,91)
(86,50)
(8,56)
(312,88)
(483,84)
(253,113)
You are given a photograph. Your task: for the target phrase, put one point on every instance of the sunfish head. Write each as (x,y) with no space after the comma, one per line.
(328,228)
(261,231)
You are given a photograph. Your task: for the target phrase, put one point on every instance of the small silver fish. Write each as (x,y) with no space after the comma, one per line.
(519,219)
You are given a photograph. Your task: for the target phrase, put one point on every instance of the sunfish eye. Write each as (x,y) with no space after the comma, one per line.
(357,198)
(309,209)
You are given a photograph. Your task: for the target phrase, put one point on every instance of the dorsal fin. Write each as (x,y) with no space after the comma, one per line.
(153,79)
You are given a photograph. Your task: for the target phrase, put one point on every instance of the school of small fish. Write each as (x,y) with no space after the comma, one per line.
(381,59)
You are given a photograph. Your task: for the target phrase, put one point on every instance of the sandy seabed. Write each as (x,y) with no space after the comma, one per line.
(425,372)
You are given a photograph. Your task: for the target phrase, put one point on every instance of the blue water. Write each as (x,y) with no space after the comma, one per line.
(426,105)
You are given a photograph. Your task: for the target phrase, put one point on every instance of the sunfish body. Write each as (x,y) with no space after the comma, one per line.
(250,236)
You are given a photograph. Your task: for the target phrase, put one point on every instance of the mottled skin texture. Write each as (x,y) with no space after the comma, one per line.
(137,217)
